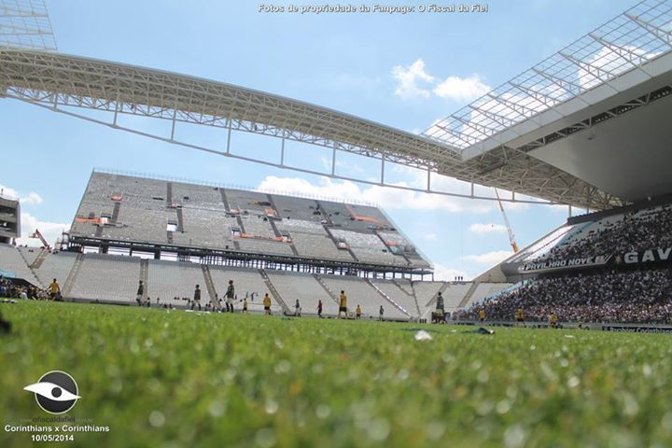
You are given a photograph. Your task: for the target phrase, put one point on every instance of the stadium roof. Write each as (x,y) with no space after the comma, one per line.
(26,24)
(623,44)
(623,66)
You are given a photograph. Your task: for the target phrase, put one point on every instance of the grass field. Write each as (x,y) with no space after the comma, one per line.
(178,379)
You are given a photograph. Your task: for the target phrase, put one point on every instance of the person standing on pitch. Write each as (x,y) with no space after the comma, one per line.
(343,305)
(139,294)
(381,311)
(267,304)
(297,309)
(55,290)
(197,298)
(230,294)
(439,306)
(319,308)
(520,317)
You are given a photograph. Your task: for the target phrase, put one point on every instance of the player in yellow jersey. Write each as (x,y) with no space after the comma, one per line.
(553,320)
(343,305)
(358,312)
(54,290)
(267,304)
(520,317)
(481,314)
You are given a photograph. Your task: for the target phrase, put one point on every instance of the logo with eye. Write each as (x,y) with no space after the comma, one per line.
(56,392)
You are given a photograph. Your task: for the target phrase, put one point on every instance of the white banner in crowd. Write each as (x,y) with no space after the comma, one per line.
(556,265)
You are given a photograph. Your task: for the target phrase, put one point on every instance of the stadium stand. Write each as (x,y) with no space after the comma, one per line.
(29,254)
(362,293)
(199,229)
(126,210)
(368,247)
(426,291)
(187,195)
(405,285)
(301,226)
(398,295)
(483,290)
(56,265)
(258,246)
(297,209)
(453,294)
(258,226)
(319,246)
(633,296)
(306,289)
(14,263)
(250,201)
(605,236)
(290,247)
(247,282)
(169,279)
(107,278)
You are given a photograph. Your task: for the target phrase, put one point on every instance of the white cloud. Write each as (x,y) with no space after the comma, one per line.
(413,81)
(31,198)
(50,230)
(385,197)
(490,258)
(446,274)
(480,228)
(408,79)
(462,89)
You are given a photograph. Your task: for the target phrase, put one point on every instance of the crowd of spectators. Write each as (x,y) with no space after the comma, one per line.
(636,231)
(634,296)
(9,289)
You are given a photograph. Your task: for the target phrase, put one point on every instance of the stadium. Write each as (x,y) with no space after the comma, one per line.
(586,129)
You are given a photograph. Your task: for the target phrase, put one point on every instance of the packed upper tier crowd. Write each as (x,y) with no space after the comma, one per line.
(642,230)
(638,296)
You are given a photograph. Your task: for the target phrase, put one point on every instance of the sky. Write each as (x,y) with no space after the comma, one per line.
(401,70)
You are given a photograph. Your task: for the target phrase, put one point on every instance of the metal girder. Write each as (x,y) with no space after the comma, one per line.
(457,134)
(522,110)
(70,81)
(627,54)
(567,86)
(544,98)
(56,81)
(498,118)
(480,128)
(595,71)
(25,24)
(665,36)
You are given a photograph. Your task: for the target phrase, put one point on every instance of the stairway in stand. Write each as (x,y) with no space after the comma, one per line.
(330,293)
(388,298)
(467,297)
(274,292)
(66,290)
(210,285)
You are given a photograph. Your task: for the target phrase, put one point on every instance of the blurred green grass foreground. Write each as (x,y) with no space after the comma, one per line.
(179,379)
